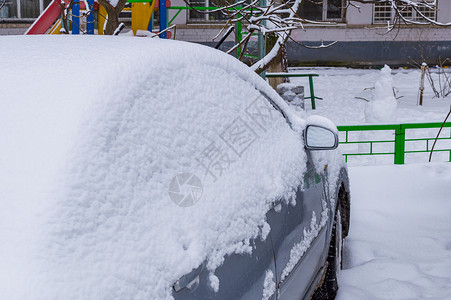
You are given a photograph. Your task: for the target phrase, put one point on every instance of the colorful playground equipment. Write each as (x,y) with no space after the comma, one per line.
(50,21)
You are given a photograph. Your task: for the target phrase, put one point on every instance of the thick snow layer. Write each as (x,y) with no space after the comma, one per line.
(322,122)
(399,244)
(89,151)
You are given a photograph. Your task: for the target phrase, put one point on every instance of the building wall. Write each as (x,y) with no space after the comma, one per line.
(359,14)
(371,53)
(360,42)
(444,11)
(357,27)
(206,33)
(357,33)
(13,28)
(200,33)
(362,14)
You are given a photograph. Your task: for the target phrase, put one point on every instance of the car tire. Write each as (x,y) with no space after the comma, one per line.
(329,287)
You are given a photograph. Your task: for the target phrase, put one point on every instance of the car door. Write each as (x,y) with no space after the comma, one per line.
(248,276)
(301,250)
(300,239)
(241,276)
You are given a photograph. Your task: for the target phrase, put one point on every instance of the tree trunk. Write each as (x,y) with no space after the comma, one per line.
(113,15)
(280,62)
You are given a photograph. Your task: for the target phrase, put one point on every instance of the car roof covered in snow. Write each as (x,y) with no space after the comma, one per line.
(99,136)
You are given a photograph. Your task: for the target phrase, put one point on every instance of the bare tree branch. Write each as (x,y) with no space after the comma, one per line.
(113,15)
(2,4)
(281,17)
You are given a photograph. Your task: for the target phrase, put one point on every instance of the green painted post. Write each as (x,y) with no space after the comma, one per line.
(239,37)
(312,93)
(400,144)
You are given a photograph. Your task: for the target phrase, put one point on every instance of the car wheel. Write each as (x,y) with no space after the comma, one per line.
(329,287)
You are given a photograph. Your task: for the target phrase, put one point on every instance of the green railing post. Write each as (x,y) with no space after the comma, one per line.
(312,93)
(400,144)
(239,37)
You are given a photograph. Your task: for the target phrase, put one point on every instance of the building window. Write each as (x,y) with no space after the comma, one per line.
(315,10)
(29,9)
(196,17)
(426,11)
(9,10)
(383,12)
(322,10)
(23,9)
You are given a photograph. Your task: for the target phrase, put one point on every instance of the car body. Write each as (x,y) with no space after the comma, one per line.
(162,170)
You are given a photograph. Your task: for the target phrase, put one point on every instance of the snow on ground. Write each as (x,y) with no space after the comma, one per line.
(399,244)
(340,86)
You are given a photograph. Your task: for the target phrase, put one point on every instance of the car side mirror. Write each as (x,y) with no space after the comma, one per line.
(320,138)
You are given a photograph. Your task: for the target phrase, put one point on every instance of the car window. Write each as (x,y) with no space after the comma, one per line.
(224,123)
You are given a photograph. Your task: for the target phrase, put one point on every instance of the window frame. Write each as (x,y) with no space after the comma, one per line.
(342,12)
(324,11)
(205,18)
(410,14)
(18,11)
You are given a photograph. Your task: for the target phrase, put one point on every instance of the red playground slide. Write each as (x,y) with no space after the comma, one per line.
(46,19)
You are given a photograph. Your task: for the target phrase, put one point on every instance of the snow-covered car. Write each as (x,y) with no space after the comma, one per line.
(138,168)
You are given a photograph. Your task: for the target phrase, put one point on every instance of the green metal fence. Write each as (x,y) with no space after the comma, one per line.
(399,142)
